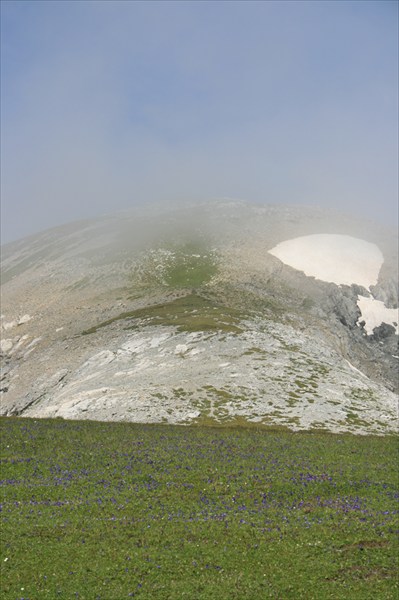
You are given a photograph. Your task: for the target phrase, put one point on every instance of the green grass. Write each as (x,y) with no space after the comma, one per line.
(188,313)
(192,267)
(177,265)
(111,511)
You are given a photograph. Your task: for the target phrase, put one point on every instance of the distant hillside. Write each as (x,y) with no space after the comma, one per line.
(205,314)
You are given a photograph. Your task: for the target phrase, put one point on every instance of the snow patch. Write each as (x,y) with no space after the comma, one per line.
(339,259)
(374,313)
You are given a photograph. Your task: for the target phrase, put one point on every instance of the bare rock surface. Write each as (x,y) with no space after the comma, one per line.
(185,316)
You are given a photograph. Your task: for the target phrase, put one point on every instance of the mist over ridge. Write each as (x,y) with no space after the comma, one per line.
(274,102)
(185,316)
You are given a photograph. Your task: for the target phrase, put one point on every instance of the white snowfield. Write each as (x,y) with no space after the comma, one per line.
(343,260)
(339,259)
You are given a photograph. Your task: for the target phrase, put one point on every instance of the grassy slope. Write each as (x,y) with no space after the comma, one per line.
(112,511)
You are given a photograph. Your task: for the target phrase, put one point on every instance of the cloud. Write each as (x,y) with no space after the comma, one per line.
(109,104)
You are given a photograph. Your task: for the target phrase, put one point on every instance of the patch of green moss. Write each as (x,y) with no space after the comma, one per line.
(189,313)
(293,420)
(218,393)
(352,418)
(238,421)
(181,393)
(293,397)
(176,265)
(362,394)
(256,351)
(191,267)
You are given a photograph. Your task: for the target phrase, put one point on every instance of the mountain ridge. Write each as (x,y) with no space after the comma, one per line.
(163,299)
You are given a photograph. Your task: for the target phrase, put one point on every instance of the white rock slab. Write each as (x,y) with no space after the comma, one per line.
(6,345)
(24,319)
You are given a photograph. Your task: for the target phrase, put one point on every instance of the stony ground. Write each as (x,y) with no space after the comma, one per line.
(188,318)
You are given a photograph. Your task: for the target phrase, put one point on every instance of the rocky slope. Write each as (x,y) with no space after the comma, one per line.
(186,316)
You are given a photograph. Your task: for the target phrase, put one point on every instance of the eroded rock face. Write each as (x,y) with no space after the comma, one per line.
(195,321)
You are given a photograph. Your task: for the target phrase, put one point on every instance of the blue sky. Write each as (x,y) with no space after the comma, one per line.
(107,105)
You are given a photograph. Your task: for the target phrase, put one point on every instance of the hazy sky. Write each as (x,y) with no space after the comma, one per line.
(106,105)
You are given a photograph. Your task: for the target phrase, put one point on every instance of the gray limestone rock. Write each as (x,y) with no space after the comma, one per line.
(184,316)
